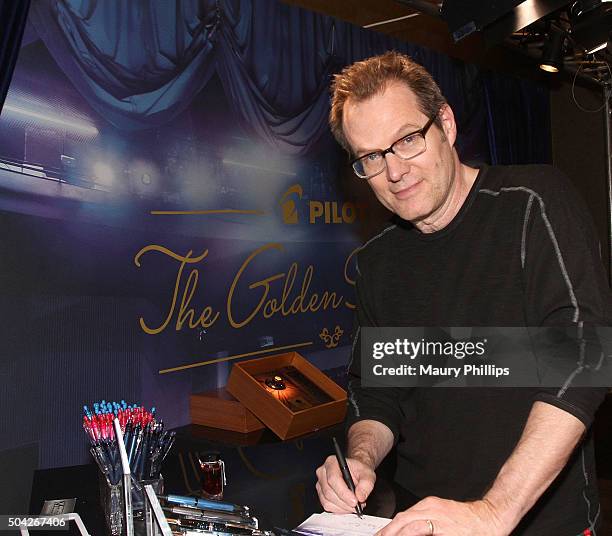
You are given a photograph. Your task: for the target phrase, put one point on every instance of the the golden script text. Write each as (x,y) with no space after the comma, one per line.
(277,294)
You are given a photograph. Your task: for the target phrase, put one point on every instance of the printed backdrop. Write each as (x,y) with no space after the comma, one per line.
(171,198)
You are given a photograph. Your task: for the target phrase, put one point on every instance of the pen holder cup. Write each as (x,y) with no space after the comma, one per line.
(111,499)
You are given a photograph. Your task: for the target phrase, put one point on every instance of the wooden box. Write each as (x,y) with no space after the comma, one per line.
(219,409)
(310,400)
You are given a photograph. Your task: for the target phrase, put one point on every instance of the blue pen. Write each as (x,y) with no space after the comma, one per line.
(134,443)
(203,503)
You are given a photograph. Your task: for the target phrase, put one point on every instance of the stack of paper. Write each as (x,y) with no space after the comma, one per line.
(327,524)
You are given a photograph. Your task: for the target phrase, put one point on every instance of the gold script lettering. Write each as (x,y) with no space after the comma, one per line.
(302,303)
(206,319)
(264,282)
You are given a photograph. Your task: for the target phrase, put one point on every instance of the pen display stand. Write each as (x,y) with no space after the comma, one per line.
(111,499)
(288,394)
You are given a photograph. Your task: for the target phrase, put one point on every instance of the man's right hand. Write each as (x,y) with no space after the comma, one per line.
(334,494)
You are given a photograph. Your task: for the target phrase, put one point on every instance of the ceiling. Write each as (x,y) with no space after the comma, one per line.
(513,38)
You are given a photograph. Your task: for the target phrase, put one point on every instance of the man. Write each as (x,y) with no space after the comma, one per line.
(495,246)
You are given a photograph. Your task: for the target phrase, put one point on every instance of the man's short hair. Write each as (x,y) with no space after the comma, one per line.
(367,78)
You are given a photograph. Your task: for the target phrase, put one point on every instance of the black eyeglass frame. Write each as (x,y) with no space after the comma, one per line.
(383,152)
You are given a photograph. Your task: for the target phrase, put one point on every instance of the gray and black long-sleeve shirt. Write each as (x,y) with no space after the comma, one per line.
(522,251)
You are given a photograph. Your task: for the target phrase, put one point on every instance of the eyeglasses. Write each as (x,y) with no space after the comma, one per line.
(407,147)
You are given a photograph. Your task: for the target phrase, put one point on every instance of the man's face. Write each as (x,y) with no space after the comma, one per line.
(415,189)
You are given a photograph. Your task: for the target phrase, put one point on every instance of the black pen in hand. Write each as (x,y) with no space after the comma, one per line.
(346,474)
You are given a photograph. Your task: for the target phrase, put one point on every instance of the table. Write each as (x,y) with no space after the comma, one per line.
(275,478)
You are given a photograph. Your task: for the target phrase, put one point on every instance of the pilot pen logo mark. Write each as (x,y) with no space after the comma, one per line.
(290,214)
(319,211)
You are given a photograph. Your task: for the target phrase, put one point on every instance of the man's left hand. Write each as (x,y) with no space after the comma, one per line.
(446,518)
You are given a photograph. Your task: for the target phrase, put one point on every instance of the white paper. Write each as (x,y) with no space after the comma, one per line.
(327,524)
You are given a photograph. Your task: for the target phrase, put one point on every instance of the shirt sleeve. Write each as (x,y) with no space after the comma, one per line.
(380,404)
(565,282)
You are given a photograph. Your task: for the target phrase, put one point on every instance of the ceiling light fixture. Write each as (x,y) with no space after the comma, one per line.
(552,55)
(597,48)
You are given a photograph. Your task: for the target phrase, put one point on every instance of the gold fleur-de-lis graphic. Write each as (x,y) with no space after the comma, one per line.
(331,339)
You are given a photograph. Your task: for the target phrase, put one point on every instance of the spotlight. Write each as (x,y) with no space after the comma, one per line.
(591,23)
(597,48)
(552,55)
(103,174)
